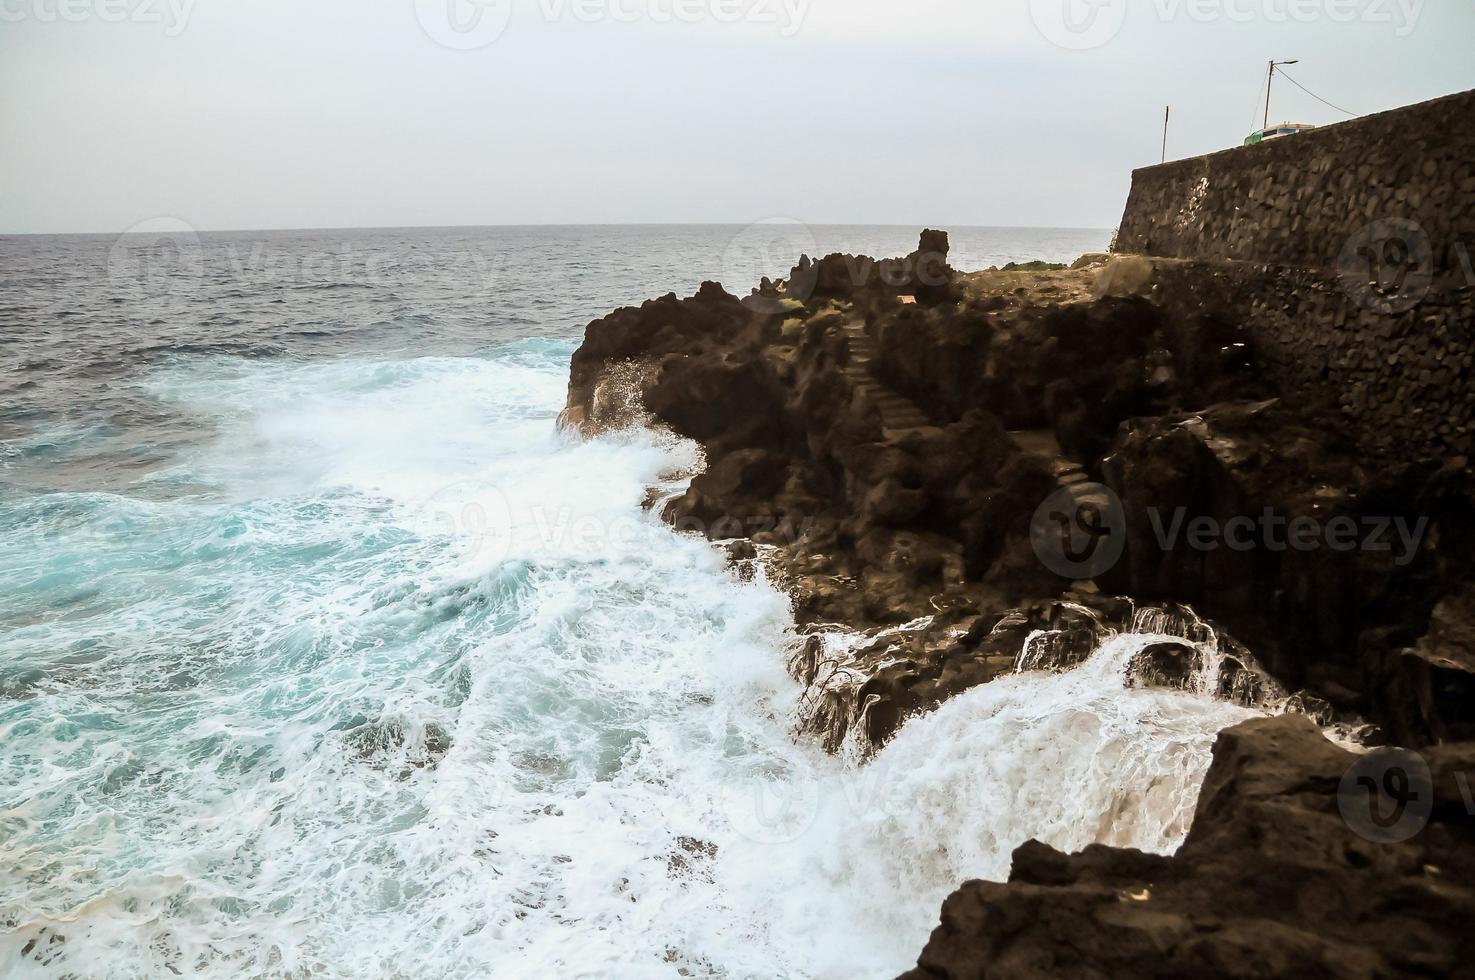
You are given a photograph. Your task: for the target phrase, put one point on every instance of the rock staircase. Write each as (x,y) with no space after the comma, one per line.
(900,416)
(1042,443)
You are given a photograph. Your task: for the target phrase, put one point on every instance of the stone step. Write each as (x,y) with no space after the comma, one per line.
(902,433)
(900,416)
(887,398)
(1037,442)
(1042,444)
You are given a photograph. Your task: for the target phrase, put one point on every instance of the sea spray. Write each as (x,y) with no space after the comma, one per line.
(1069,758)
(307,717)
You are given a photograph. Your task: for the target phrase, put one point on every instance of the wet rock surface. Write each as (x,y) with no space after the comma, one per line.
(1274,880)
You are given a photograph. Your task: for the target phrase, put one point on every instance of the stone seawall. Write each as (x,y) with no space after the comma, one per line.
(1347,254)
(1301,200)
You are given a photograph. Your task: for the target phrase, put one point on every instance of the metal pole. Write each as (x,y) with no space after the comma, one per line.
(1167,114)
(1269,81)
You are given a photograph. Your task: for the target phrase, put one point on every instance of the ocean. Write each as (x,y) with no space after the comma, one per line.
(324,653)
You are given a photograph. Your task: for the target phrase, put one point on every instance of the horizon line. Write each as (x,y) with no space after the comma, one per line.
(559,224)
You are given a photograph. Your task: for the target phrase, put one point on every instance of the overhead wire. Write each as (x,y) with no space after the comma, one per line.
(1315,96)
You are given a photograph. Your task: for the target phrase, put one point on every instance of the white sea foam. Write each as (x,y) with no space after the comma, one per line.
(363,711)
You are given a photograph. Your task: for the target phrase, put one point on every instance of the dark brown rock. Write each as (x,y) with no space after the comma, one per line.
(1273,881)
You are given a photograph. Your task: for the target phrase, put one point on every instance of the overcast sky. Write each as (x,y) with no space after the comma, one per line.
(342,113)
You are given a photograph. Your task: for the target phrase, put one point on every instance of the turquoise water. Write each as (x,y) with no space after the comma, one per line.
(270,727)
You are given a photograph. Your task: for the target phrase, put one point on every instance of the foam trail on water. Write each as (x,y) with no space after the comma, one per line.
(1068,758)
(401,682)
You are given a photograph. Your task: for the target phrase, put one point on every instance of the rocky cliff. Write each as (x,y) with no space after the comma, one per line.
(969,472)
(887,434)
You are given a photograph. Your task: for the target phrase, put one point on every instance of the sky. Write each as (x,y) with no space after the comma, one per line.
(246,114)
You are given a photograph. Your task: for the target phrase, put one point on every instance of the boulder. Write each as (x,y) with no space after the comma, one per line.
(1171,665)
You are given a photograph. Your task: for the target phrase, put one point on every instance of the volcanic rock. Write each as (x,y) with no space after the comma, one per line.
(1274,880)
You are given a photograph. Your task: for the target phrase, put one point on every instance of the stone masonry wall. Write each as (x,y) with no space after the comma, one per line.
(1300,200)
(1349,253)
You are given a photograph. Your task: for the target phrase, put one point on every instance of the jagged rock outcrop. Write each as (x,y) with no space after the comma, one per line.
(1314,547)
(928,463)
(892,428)
(1274,880)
